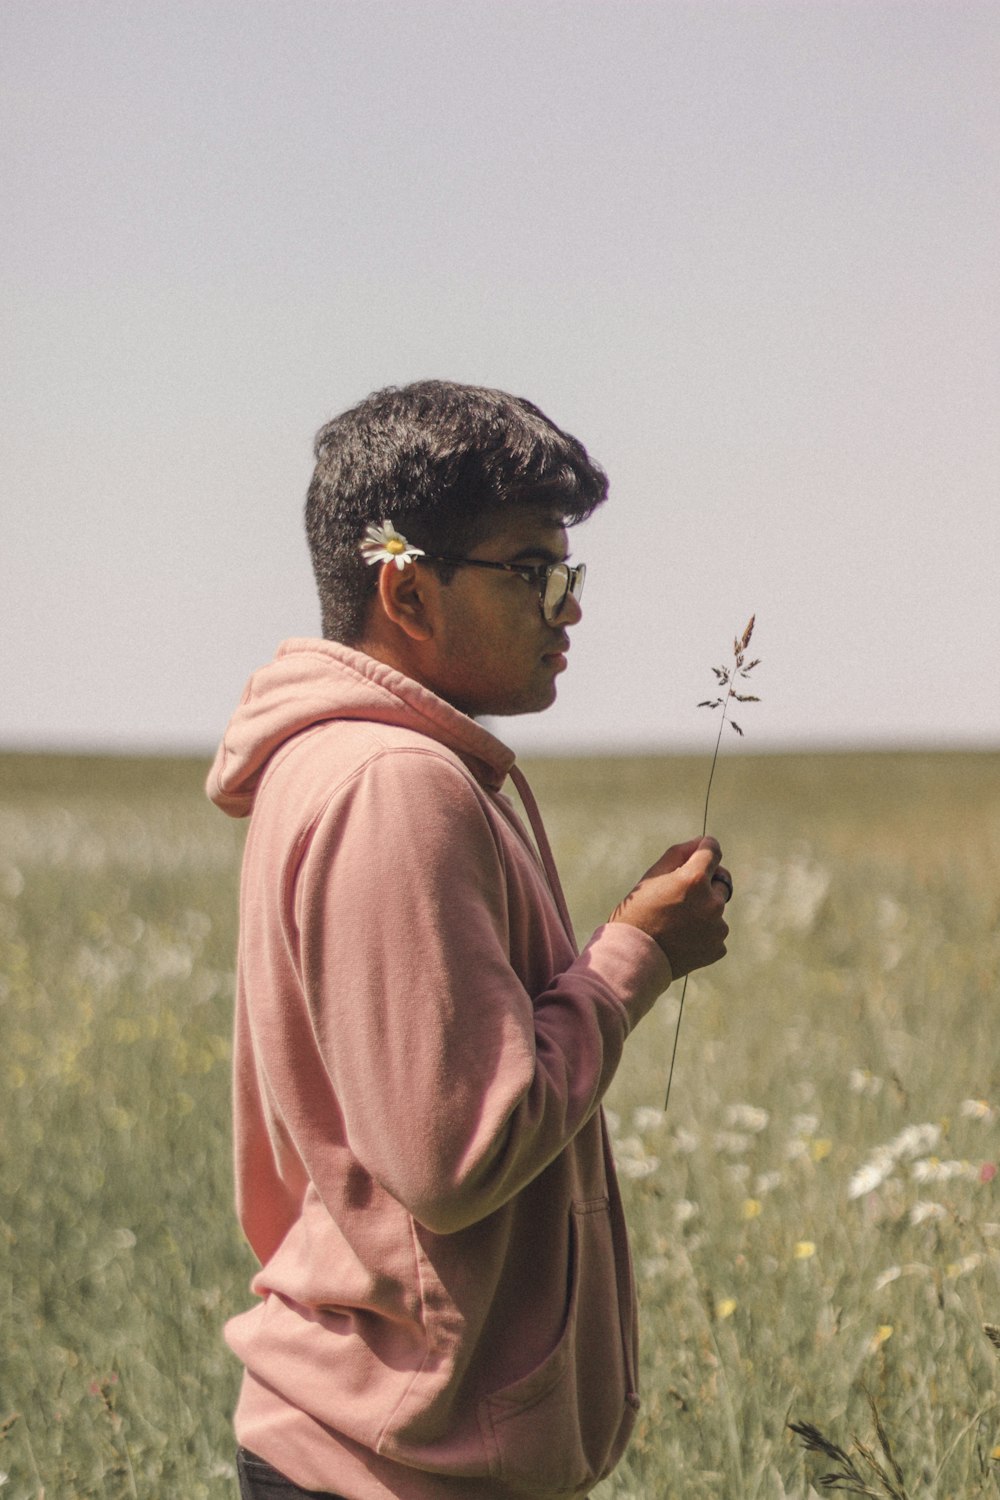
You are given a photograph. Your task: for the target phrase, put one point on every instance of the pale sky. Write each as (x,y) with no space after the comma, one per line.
(747,252)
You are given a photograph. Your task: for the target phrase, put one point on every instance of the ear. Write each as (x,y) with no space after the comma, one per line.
(404,596)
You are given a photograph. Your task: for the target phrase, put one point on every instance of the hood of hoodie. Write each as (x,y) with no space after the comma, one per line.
(312,681)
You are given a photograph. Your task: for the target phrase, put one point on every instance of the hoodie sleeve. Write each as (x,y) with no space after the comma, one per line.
(455,1084)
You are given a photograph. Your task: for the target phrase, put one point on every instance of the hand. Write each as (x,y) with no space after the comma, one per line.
(679,902)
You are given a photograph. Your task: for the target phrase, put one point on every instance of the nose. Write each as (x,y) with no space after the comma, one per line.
(570,611)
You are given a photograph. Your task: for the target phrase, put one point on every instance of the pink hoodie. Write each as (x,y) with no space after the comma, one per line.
(446,1302)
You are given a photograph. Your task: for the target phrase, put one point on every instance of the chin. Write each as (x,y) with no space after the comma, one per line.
(535,705)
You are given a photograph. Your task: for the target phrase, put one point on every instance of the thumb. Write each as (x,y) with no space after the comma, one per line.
(704,859)
(705,851)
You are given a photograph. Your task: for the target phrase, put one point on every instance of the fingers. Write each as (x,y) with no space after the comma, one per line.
(679,855)
(705,859)
(680,904)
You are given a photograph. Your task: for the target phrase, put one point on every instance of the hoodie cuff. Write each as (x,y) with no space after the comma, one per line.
(632,965)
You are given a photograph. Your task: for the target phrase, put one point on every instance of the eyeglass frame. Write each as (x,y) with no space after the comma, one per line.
(540,573)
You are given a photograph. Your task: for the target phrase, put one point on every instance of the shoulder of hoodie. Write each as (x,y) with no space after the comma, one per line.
(309,771)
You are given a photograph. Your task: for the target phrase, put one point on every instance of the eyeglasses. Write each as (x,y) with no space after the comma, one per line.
(556,581)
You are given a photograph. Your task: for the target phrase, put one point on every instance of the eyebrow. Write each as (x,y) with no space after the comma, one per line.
(545,553)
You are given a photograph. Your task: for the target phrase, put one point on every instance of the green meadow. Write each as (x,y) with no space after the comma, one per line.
(816,1220)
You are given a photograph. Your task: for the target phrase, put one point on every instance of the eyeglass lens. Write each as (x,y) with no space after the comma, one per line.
(561,581)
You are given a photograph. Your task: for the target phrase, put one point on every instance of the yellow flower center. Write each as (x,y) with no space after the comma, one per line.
(395,545)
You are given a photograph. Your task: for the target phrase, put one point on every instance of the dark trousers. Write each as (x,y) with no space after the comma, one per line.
(258,1481)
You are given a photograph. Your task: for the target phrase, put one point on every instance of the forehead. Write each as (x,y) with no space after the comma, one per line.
(525,531)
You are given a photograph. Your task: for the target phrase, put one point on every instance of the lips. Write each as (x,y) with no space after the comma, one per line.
(557,657)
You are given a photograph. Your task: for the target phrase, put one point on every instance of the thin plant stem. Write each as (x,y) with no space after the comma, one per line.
(715,759)
(677,1032)
(704,827)
(725,676)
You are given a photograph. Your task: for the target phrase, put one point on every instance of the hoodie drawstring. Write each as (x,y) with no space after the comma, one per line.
(544,849)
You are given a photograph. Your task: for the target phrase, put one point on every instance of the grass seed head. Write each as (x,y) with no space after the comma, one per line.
(846,1476)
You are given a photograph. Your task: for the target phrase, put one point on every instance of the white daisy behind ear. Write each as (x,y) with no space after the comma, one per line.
(385,544)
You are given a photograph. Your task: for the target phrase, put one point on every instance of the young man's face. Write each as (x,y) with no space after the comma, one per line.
(492,651)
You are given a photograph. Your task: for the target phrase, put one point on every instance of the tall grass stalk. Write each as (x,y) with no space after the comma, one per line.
(726,677)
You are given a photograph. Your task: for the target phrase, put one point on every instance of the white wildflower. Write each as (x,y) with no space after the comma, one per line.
(385,544)
(930,1169)
(925,1211)
(964,1266)
(636,1167)
(747,1117)
(866,1179)
(633,1160)
(766,1183)
(889,914)
(644,1118)
(731,1142)
(915,1140)
(881,1335)
(861,1081)
(685,1141)
(685,1210)
(805,1125)
(893,1273)
(977,1109)
(630,1145)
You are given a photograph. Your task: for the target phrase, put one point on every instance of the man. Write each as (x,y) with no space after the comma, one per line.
(446,1308)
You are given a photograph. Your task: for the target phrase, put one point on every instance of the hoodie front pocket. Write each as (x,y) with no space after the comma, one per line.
(564,1425)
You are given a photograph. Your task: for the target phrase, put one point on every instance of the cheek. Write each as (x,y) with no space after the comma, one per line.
(479,651)
(493,627)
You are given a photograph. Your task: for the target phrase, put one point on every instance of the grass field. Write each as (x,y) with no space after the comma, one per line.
(817,1217)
